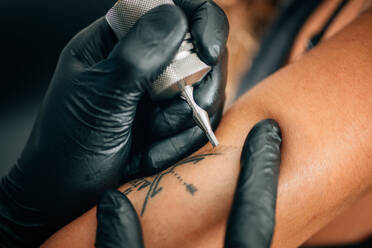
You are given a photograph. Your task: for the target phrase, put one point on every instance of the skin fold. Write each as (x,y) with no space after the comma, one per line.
(323,104)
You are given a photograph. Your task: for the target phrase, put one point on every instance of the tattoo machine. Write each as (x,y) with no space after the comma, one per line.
(179,77)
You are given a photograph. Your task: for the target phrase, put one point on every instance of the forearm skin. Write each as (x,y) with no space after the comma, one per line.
(323,105)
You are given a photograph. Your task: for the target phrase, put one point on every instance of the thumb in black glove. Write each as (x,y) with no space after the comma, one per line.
(81,142)
(252,219)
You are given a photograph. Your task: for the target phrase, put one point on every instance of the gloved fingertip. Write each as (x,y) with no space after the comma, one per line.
(210,30)
(265,134)
(118,222)
(113,202)
(164,21)
(156,161)
(153,41)
(112,199)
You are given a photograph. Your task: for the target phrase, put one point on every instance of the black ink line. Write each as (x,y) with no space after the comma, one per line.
(139,184)
(127,191)
(145,184)
(156,188)
(195,159)
(191,189)
(148,194)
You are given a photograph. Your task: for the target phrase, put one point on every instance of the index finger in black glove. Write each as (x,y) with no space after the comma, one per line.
(118,222)
(252,218)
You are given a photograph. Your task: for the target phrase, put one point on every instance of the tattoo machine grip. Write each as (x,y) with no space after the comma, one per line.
(185,70)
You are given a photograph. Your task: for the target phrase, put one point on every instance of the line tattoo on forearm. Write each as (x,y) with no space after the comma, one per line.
(153,184)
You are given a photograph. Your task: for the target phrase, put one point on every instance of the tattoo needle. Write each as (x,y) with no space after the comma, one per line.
(200,115)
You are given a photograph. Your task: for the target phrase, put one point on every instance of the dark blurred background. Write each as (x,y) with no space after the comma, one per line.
(32,34)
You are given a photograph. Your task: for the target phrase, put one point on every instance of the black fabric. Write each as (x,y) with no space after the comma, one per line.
(315,39)
(277,41)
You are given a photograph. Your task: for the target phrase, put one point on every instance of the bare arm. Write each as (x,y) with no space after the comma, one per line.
(323,104)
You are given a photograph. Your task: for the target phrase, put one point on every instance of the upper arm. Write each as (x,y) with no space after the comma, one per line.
(323,105)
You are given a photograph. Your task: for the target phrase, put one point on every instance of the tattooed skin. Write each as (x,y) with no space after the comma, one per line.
(153,185)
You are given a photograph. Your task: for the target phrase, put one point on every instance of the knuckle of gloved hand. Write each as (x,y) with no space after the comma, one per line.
(152,43)
(172,111)
(154,161)
(211,32)
(81,40)
(171,121)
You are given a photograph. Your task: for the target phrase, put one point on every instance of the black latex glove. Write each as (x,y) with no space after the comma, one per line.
(81,142)
(252,218)
(118,222)
(173,132)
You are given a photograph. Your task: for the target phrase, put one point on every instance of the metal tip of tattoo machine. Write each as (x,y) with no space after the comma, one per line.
(212,138)
(200,115)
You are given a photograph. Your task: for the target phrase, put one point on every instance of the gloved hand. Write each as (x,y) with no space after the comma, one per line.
(83,142)
(252,219)
(173,132)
